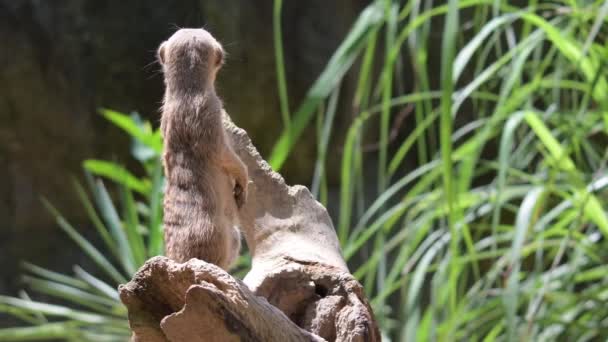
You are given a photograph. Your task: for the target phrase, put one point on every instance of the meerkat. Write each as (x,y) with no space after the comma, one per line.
(198,157)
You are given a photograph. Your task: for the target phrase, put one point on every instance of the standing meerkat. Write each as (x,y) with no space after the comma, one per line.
(206,180)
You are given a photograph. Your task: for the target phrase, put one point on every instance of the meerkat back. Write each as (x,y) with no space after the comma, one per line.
(200,165)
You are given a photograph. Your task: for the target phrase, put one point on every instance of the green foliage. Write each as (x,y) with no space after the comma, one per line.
(500,232)
(131,234)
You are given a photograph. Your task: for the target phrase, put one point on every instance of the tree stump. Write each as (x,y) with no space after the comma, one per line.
(298,289)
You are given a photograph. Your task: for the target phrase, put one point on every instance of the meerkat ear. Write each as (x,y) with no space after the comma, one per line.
(161,53)
(219,57)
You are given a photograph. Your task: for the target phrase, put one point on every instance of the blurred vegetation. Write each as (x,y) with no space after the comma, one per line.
(498,233)
(131,232)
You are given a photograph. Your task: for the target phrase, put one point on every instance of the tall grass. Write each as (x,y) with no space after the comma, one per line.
(498,231)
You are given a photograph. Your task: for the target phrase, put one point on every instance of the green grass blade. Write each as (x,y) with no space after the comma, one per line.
(337,66)
(574,52)
(524,221)
(127,124)
(116,173)
(72,294)
(97,284)
(94,217)
(448,48)
(112,220)
(506,144)
(40,319)
(43,332)
(155,228)
(466,53)
(280,63)
(558,154)
(131,224)
(411,139)
(86,246)
(53,276)
(323,145)
(55,310)
(346,189)
(414,290)
(591,205)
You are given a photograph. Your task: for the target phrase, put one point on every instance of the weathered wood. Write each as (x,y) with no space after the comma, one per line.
(298,289)
(198,301)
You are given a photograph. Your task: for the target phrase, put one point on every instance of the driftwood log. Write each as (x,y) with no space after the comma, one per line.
(298,289)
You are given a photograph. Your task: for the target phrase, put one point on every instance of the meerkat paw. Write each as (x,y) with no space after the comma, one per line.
(240,194)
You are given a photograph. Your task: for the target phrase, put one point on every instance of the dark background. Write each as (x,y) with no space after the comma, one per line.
(61,60)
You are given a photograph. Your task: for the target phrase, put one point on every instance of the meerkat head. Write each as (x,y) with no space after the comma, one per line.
(191,59)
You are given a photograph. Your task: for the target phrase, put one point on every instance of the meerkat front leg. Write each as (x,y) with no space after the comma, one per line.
(235,167)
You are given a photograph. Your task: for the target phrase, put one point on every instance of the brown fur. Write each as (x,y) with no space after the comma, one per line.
(206,180)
